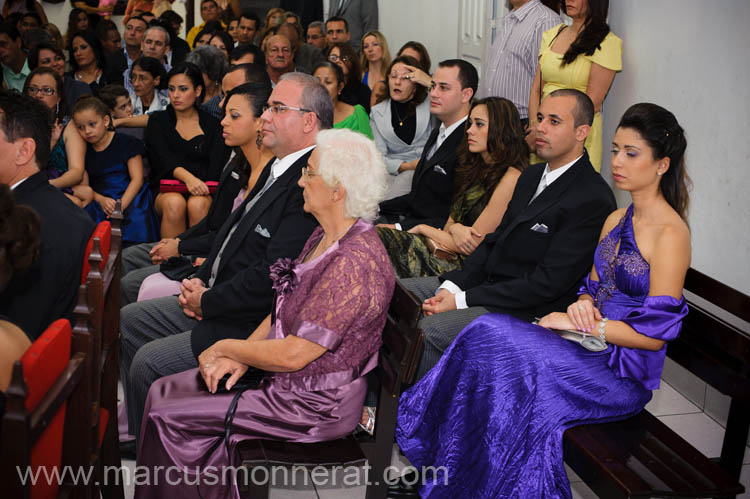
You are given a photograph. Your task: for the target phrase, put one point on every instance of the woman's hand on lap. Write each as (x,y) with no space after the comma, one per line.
(213,371)
(197,187)
(465,238)
(557,320)
(584,315)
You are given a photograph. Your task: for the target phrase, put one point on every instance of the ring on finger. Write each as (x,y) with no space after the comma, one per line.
(581,306)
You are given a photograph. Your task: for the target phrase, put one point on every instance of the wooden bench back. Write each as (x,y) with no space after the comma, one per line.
(714,343)
(402,341)
(97,330)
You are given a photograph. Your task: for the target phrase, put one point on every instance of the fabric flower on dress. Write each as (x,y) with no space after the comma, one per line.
(283,276)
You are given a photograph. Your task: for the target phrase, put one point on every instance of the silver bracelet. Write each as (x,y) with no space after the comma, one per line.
(602,325)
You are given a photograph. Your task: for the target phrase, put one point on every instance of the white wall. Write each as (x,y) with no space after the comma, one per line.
(432,22)
(691,57)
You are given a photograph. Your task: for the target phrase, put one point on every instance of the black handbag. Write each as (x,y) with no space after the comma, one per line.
(177,268)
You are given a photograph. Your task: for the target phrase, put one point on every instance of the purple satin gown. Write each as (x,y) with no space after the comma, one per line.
(338,300)
(494,408)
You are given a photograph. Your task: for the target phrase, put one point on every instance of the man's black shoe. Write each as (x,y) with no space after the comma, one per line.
(127,450)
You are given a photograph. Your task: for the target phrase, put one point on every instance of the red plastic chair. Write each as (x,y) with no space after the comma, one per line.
(35,418)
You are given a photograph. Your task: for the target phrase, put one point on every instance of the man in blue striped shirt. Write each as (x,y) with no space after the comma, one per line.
(510,62)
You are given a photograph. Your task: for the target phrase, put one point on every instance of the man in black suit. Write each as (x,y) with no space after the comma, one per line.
(534,262)
(428,202)
(231,292)
(47,291)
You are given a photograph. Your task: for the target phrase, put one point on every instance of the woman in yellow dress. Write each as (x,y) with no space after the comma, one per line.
(584,56)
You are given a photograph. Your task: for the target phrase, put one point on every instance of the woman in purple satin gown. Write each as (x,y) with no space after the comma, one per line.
(331,305)
(494,409)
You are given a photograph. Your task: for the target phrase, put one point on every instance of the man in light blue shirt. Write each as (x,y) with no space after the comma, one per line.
(15,65)
(510,62)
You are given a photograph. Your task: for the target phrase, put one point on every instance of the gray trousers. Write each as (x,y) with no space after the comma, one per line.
(439,329)
(136,266)
(154,342)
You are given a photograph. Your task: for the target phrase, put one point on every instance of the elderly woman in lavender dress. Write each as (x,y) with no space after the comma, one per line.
(321,340)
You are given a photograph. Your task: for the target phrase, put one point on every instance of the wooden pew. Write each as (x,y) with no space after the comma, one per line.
(98,316)
(397,363)
(642,457)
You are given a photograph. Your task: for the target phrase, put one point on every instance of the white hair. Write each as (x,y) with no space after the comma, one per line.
(352,159)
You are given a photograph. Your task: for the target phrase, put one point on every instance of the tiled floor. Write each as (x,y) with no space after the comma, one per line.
(668,405)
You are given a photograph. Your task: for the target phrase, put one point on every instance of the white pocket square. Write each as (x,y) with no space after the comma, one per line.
(439,169)
(263,232)
(541,228)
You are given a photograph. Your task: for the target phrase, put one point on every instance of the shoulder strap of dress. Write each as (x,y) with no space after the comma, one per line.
(562,27)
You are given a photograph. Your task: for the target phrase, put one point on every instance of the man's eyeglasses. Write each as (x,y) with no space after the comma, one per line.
(280,108)
(336,58)
(40,90)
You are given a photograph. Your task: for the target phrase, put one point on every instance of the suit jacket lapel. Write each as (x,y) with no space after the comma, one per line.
(274,191)
(423,165)
(547,197)
(449,145)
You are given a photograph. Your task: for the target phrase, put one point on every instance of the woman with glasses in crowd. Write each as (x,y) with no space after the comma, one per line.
(354,91)
(66,165)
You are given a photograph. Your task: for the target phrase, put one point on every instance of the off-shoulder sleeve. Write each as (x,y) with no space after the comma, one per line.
(659,317)
(340,297)
(609,54)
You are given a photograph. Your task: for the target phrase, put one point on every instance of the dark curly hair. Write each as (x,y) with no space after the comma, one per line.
(19,236)
(505,144)
(666,138)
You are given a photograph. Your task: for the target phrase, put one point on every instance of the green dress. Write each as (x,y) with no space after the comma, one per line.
(410,254)
(358,121)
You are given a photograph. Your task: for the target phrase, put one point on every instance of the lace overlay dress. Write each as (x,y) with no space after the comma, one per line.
(338,300)
(409,253)
(494,408)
